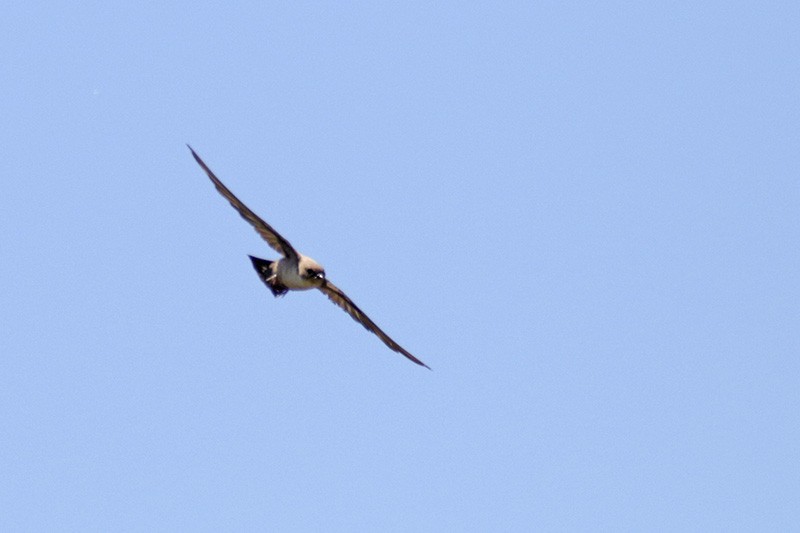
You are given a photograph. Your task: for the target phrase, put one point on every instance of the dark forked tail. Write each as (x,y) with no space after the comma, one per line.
(264,270)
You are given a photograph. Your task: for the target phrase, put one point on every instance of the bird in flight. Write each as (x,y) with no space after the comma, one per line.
(295,271)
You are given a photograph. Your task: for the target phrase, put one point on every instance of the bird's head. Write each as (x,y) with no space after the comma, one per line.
(311,270)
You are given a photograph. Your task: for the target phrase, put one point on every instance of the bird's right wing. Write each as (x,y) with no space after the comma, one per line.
(338,297)
(273,238)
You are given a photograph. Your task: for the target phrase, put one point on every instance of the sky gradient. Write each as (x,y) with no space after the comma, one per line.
(583,217)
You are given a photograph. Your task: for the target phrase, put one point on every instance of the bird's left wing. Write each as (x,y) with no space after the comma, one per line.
(336,295)
(267,232)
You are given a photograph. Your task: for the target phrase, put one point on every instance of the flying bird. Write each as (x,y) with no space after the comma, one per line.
(295,271)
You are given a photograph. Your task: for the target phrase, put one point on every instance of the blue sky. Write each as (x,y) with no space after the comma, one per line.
(582,216)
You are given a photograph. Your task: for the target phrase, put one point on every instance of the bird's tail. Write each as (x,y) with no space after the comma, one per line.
(265,272)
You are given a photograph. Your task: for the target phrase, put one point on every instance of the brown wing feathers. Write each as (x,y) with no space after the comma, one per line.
(338,297)
(267,232)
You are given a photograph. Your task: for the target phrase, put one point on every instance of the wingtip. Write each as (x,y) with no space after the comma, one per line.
(198,160)
(420,363)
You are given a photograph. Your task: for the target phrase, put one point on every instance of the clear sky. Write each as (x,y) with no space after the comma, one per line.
(583,216)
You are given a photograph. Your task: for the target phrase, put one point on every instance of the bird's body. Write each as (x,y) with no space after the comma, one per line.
(285,275)
(295,271)
(288,274)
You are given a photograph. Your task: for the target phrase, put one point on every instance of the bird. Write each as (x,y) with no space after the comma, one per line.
(295,271)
